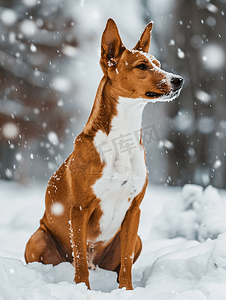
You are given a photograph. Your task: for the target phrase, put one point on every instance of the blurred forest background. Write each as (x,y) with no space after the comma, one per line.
(49,73)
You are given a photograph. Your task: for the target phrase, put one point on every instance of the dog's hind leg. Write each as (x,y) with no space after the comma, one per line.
(110,258)
(42,247)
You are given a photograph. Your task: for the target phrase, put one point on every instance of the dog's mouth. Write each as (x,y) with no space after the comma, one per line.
(176,83)
(169,96)
(153,95)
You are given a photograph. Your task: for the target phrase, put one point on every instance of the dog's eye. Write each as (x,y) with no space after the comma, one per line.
(143,67)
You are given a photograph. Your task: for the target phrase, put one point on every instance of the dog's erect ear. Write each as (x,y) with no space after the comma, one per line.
(144,41)
(111,45)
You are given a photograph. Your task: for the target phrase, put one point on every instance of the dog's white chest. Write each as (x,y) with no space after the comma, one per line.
(125,171)
(123,179)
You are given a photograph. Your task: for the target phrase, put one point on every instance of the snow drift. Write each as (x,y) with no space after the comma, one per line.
(183,257)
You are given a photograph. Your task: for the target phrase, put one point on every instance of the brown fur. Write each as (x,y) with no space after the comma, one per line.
(71,185)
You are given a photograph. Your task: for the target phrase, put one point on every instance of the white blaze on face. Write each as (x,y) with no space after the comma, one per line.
(57,209)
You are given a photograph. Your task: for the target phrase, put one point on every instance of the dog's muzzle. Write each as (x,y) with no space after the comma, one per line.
(176,85)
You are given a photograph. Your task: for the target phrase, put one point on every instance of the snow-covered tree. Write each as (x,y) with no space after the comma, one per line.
(197,121)
(36,44)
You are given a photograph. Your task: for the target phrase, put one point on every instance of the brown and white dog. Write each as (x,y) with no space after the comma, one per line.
(92,201)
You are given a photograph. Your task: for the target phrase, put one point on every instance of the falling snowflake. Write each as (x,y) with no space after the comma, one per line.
(213,56)
(18,156)
(10,130)
(203,96)
(61,84)
(8,17)
(33,48)
(28,28)
(57,208)
(30,2)
(217,164)
(180,53)
(53,138)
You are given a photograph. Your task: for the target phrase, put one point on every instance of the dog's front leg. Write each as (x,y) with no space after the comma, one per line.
(129,230)
(79,221)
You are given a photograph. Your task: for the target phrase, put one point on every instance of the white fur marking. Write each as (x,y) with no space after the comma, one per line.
(125,170)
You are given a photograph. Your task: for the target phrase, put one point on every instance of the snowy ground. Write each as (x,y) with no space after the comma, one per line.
(173,265)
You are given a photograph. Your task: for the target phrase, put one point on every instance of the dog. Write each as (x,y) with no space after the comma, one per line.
(92,202)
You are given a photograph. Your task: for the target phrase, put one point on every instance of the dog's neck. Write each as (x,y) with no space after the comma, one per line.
(114,114)
(104,109)
(129,116)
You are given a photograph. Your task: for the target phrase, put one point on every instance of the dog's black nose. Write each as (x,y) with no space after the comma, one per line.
(177,82)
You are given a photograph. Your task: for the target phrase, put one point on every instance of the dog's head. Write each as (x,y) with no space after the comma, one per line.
(135,73)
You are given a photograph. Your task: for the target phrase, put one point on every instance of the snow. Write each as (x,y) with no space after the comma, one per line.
(8,17)
(203,96)
(33,48)
(167,144)
(28,28)
(194,214)
(60,102)
(53,138)
(212,8)
(70,51)
(61,84)
(213,56)
(206,125)
(180,53)
(172,43)
(211,21)
(10,130)
(217,164)
(30,3)
(57,209)
(184,121)
(18,156)
(8,173)
(172,265)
